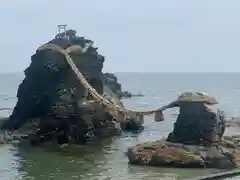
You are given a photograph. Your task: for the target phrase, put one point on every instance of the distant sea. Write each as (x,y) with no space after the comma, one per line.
(107,161)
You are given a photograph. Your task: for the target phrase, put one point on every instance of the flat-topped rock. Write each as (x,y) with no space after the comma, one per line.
(196,139)
(164,153)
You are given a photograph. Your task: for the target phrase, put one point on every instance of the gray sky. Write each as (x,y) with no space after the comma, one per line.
(133,35)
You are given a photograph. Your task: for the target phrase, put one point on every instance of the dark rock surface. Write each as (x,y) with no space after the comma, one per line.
(52,95)
(196,124)
(112,82)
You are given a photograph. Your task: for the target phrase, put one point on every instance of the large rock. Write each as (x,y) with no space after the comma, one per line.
(196,124)
(196,141)
(52,94)
(165,153)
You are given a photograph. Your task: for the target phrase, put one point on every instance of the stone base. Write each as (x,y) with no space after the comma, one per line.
(164,153)
(132,125)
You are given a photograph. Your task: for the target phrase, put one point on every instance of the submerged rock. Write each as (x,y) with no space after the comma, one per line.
(132,125)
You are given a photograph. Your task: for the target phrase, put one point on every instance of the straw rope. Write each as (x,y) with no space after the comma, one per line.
(112,106)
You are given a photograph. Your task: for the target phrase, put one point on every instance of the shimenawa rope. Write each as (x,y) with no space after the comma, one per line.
(117,109)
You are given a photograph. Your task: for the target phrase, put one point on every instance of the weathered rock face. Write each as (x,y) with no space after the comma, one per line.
(52,94)
(112,82)
(165,153)
(196,124)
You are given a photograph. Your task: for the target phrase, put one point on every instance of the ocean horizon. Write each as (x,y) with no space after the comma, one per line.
(110,162)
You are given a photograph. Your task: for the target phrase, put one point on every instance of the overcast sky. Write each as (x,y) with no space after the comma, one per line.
(133,35)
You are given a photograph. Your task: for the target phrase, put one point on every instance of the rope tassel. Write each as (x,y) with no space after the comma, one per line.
(158,116)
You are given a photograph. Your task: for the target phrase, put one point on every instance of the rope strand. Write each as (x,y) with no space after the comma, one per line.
(84,82)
